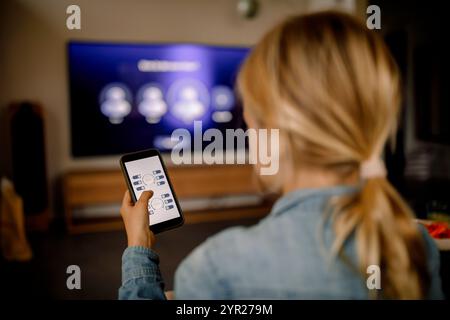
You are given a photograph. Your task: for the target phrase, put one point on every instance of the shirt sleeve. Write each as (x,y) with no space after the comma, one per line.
(141,277)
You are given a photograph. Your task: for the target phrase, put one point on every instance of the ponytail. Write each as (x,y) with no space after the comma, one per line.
(387,236)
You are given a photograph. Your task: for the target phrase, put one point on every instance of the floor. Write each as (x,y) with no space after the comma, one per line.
(99,257)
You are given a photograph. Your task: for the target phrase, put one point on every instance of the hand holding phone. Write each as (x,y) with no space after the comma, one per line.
(136,220)
(145,171)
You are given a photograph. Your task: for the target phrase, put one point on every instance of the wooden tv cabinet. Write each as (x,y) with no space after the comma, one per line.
(90,188)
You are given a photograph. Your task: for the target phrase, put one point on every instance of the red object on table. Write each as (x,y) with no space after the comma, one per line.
(438,230)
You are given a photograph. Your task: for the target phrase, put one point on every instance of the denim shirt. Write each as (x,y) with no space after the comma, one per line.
(284,256)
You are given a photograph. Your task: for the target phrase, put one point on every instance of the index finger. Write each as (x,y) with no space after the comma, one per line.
(127,201)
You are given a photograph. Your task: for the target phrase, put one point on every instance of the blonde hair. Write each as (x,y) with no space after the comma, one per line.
(333,90)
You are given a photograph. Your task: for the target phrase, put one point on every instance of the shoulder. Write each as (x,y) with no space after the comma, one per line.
(232,249)
(202,273)
(224,245)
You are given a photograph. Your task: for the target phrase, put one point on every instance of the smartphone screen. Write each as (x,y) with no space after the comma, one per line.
(148,173)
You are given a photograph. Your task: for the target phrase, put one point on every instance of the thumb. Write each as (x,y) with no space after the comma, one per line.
(143,199)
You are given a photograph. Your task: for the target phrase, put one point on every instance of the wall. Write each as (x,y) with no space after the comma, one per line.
(33,36)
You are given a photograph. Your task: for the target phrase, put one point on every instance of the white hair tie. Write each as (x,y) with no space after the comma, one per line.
(373,168)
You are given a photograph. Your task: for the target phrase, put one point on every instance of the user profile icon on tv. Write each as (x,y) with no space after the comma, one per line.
(151,103)
(115,102)
(188,100)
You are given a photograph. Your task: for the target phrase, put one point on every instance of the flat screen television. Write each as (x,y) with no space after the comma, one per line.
(128,97)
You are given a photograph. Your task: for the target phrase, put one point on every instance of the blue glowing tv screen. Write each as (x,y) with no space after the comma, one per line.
(128,97)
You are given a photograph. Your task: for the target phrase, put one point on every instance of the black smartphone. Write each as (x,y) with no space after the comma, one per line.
(145,170)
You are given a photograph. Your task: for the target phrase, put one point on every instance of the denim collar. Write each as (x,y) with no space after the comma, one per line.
(299,196)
